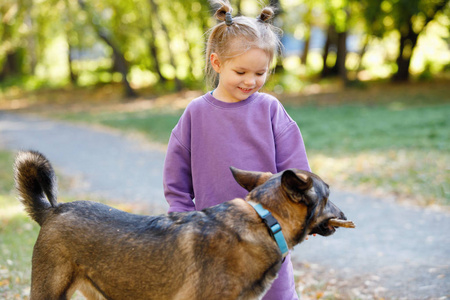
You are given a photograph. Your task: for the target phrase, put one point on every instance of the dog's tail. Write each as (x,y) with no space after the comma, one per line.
(35,184)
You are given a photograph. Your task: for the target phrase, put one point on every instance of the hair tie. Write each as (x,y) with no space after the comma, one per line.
(228,19)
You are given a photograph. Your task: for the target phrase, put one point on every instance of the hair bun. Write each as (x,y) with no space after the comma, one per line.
(222,11)
(266,14)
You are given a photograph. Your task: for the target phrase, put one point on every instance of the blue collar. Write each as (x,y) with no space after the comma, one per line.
(273,225)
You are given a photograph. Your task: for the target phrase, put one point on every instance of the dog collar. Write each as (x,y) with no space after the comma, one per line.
(273,225)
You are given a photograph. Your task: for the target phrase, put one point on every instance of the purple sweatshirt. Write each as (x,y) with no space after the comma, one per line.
(256,134)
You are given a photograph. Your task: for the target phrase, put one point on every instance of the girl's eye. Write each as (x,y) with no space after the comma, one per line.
(239,73)
(260,74)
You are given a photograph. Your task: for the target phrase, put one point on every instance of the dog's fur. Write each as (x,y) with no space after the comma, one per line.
(222,252)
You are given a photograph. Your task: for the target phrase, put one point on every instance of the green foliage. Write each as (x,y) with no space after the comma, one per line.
(164,40)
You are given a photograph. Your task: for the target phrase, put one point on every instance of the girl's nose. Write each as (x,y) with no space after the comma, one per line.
(250,80)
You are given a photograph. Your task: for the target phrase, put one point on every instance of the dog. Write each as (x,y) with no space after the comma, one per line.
(223,252)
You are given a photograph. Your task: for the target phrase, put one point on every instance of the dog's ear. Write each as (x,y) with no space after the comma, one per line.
(296,185)
(250,179)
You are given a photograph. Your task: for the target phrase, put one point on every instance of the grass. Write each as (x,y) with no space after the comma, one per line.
(382,150)
(356,128)
(17,236)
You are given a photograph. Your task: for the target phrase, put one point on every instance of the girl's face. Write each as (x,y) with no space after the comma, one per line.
(240,76)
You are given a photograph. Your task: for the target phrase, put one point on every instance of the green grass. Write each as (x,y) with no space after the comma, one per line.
(6,172)
(356,128)
(17,236)
(404,152)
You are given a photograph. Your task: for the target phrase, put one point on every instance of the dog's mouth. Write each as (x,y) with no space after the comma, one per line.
(329,226)
(323,228)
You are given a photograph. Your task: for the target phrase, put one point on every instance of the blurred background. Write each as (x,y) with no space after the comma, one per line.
(154,44)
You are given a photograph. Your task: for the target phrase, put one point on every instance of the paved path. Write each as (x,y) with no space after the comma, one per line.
(396,251)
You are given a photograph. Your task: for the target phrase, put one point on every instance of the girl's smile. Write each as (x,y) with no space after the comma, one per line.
(240,76)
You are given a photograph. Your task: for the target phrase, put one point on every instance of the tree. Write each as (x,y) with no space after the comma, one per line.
(165,33)
(119,60)
(12,50)
(307,19)
(338,12)
(411,18)
(69,36)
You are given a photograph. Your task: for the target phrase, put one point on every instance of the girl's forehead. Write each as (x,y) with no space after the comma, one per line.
(252,58)
(240,45)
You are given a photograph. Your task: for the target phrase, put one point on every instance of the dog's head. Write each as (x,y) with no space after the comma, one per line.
(297,198)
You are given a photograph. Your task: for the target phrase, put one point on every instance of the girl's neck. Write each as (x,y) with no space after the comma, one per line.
(216,94)
(223,97)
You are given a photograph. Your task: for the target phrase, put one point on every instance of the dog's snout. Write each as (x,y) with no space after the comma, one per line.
(336,211)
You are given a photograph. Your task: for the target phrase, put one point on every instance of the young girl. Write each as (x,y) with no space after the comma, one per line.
(233,125)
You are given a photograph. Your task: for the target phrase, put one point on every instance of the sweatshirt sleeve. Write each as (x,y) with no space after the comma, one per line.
(177,178)
(291,152)
(290,148)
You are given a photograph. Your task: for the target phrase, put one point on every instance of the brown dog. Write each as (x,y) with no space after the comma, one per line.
(222,252)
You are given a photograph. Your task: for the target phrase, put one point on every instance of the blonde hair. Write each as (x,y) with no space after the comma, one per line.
(233,36)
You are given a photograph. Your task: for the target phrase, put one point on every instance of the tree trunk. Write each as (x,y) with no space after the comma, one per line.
(408,41)
(154,53)
(72,76)
(10,66)
(239,8)
(342,56)
(362,53)
(304,56)
(119,63)
(307,20)
(155,15)
(330,41)
(118,58)
(10,63)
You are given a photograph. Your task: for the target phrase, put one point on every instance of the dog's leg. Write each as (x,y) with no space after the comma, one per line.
(52,283)
(54,286)
(52,276)
(89,291)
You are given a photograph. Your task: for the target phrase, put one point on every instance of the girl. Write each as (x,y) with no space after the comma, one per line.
(233,125)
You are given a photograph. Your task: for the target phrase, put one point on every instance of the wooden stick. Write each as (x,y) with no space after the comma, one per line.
(341,223)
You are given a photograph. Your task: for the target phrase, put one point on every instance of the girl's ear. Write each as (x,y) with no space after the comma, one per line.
(215,62)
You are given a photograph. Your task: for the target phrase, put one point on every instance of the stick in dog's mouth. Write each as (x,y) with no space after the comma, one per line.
(341,223)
